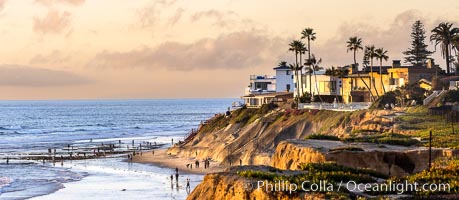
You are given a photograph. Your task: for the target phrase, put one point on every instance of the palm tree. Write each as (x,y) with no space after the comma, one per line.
(370,53)
(443,34)
(354,44)
(456,47)
(296,46)
(302,50)
(311,36)
(381,54)
(282,64)
(315,66)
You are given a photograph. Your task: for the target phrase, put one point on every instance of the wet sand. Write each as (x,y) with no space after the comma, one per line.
(161,159)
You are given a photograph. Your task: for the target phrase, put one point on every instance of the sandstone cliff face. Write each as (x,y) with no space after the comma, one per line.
(228,186)
(390,160)
(279,142)
(254,143)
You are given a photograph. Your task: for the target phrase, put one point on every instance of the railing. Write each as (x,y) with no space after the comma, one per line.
(261,77)
(336,106)
(434,94)
(258,91)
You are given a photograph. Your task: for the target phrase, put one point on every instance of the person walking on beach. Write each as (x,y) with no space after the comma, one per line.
(176,177)
(172,178)
(7,160)
(172,141)
(188,185)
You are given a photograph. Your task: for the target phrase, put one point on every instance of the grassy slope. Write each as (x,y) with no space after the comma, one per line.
(416,122)
(421,122)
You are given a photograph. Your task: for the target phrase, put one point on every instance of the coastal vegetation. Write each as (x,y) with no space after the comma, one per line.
(385,138)
(444,171)
(322,137)
(418,123)
(443,175)
(317,173)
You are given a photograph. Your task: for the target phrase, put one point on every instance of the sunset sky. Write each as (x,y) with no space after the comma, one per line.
(120,49)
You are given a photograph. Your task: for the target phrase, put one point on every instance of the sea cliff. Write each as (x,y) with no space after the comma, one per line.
(383,141)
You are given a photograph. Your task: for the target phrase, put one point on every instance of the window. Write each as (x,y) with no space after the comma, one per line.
(327,86)
(287,72)
(288,87)
(292,76)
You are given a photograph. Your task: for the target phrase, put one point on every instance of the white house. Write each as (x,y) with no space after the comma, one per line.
(284,79)
(264,89)
(262,84)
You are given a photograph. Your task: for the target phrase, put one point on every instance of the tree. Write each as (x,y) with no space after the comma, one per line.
(282,64)
(354,44)
(417,53)
(456,48)
(443,34)
(381,54)
(298,48)
(315,66)
(308,33)
(370,53)
(302,49)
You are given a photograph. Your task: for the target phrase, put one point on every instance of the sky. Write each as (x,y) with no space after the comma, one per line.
(142,49)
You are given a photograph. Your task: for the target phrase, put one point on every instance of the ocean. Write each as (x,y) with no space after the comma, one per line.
(33,127)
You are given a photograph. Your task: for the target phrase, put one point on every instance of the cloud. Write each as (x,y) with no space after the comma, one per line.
(23,76)
(53,22)
(395,37)
(55,57)
(151,14)
(220,18)
(2,4)
(235,50)
(177,16)
(52,2)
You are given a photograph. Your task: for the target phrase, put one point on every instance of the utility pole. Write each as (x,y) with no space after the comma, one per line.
(452,119)
(430,149)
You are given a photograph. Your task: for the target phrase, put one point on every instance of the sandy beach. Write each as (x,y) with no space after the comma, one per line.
(161,159)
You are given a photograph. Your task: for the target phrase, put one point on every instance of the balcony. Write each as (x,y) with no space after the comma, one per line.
(249,90)
(262,77)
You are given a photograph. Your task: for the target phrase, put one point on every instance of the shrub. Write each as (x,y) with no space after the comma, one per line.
(349,148)
(452,96)
(388,98)
(322,137)
(387,138)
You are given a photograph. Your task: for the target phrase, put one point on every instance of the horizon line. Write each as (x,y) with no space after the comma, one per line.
(123,99)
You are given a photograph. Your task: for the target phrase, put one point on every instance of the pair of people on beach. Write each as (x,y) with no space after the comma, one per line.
(206,163)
